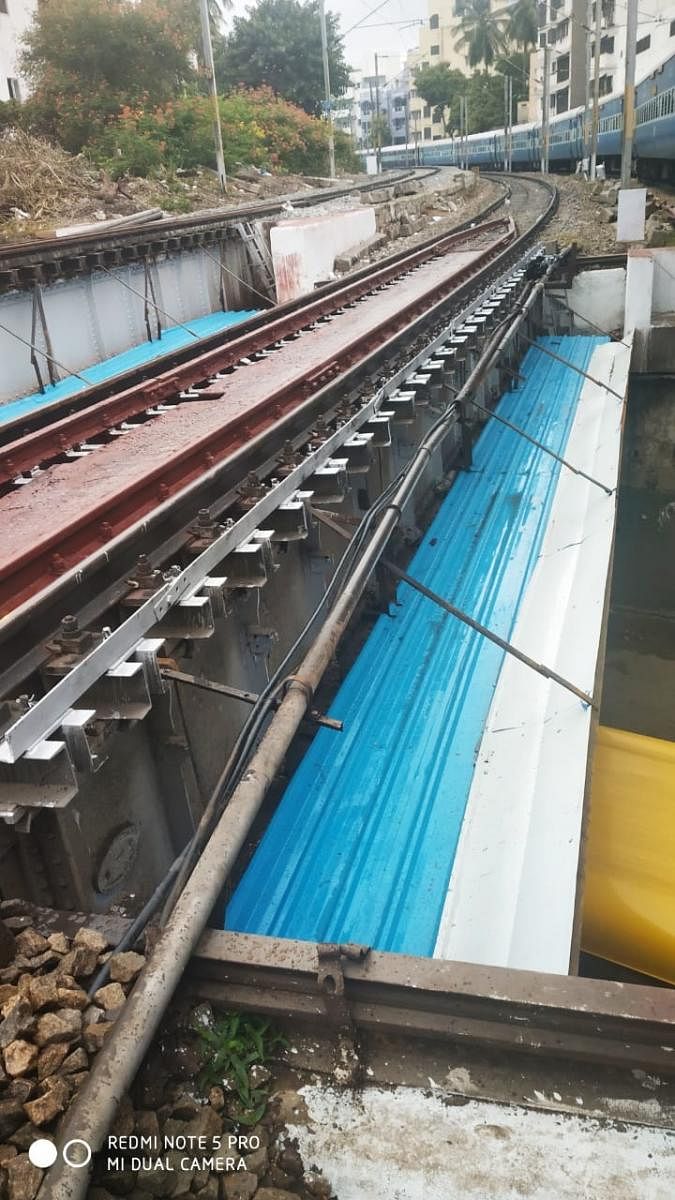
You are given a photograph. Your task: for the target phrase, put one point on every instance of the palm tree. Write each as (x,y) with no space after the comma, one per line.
(523,27)
(482,32)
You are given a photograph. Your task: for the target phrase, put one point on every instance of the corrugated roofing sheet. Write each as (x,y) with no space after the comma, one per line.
(362,844)
(512,895)
(173,338)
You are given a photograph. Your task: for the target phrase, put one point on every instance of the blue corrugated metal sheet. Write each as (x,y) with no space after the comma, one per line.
(362,844)
(173,338)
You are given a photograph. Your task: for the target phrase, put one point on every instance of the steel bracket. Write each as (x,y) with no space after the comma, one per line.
(331,981)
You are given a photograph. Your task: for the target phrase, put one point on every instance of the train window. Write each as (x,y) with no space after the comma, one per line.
(643,44)
(434,21)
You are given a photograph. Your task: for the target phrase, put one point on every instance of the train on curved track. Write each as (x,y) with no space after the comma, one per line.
(654,144)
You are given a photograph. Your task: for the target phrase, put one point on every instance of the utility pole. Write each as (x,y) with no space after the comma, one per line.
(511,124)
(510,159)
(546,110)
(629,93)
(586,151)
(211,72)
(326,84)
(378,148)
(407,131)
(506,124)
(596,91)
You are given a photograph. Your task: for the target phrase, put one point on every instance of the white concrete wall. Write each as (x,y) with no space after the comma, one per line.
(13,25)
(304,249)
(663,300)
(598,295)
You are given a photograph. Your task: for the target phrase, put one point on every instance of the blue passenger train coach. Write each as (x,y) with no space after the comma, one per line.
(654,145)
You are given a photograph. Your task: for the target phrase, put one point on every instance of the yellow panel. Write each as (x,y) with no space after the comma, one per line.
(629,890)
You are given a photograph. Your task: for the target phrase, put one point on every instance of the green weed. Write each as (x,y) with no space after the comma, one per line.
(235,1043)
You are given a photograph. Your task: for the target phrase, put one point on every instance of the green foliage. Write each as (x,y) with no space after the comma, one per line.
(441,86)
(258,128)
(278,44)
(482,32)
(380,133)
(86,60)
(523,27)
(346,158)
(10,111)
(236,1043)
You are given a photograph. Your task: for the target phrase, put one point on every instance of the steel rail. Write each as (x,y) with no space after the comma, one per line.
(18,256)
(47,712)
(47,414)
(88,590)
(36,564)
(44,445)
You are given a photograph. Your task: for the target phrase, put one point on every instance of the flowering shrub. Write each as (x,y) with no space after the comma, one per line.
(258,127)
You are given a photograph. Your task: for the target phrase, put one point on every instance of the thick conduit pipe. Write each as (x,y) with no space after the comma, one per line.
(115,1068)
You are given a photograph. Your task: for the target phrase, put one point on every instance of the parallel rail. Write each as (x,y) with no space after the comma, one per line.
(99,582)
(50,413)
(24,263)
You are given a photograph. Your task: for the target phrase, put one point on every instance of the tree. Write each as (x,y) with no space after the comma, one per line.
(87,60)
(279,45)
(482,32)
(441,86)
(523,27)
(380,133)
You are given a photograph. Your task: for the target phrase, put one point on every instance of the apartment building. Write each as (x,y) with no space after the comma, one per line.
(568,28)
(15,17)
(437,44)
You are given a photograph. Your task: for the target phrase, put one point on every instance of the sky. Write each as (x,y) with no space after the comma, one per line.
(393,31)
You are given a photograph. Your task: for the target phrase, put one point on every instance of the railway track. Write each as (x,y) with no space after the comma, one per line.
(41,261)
(176,503)
(330,404)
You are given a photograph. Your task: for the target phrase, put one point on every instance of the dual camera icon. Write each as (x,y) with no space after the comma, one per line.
(43,1153)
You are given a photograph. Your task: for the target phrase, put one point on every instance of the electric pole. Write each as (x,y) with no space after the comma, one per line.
(378,143)
(596,90)
(629,93)
(211,72)
(546,110)
(326,84)
(506,124)
(510,155)
(586,152)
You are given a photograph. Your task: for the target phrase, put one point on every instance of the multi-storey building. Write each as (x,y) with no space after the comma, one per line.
(15,17)
(568,28)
